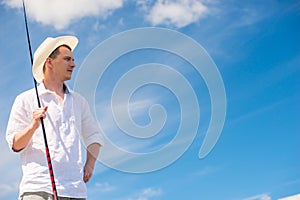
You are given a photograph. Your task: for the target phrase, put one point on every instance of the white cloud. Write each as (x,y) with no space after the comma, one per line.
(8,188)
(259,197)
(60,14)
(105,187)
(177,13)
(136,108)
(147,193)
(205,171)
(294,197)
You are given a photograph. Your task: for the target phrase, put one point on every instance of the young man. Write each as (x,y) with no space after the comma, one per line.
(67,120)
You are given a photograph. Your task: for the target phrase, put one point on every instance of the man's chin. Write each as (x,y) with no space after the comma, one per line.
(68,78)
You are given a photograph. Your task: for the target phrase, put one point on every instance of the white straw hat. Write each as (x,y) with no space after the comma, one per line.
(44,51)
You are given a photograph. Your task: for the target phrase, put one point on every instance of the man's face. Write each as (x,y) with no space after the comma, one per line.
(63,64)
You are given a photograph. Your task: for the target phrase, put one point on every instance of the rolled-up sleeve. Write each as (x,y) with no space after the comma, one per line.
(19,119)
(90,130)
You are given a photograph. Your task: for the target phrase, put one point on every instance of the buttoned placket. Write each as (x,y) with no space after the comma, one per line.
(59,105)
(60,113)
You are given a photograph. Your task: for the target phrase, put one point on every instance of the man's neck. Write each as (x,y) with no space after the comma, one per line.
(55,86)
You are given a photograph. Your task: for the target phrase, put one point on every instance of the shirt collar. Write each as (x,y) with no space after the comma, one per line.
(42,89)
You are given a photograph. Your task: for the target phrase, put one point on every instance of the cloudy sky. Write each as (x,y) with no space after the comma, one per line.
(143,103)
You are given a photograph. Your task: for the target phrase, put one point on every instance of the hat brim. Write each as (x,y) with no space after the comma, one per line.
(44,51)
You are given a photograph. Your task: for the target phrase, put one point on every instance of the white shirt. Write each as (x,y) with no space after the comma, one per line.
(66,124)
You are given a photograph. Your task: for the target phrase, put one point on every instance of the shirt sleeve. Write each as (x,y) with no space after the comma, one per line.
(90,130)
(19,119)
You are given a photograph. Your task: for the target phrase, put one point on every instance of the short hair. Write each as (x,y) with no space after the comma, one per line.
(55,53)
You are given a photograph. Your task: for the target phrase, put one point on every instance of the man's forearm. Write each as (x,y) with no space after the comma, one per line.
(21,139)
(92,154)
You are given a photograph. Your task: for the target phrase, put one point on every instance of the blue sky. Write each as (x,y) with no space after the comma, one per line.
(255,46)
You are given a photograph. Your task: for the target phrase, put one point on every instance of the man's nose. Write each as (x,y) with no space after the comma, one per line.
(73,65)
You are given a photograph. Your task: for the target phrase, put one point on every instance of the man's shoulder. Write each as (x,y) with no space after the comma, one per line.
(25,98)
(77,95)
(78,98)
(27,93)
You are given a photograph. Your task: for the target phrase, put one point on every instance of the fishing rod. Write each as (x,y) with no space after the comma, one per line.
(55,197)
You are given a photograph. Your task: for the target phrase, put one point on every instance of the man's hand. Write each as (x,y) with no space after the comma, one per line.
(92,154)
(87,173)
(37,115)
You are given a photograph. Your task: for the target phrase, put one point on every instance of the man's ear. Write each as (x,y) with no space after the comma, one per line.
(49,62)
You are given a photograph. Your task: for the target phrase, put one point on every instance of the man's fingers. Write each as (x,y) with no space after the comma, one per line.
(40,113)
(86,177)
(44,112)
(87,174)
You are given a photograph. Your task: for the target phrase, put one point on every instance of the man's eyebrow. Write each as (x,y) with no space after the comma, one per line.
(68,57)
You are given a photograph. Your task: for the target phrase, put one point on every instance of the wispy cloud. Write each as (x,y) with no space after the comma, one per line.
(8,188)
(293,197)
(177,13)
(122,140)
(60,14)
(146,194)
(205,171)
(264,196)
(104,187)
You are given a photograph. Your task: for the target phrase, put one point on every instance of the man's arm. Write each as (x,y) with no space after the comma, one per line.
(22,138)
(92,154)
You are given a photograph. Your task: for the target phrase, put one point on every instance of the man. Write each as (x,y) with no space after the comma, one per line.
(67,120)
